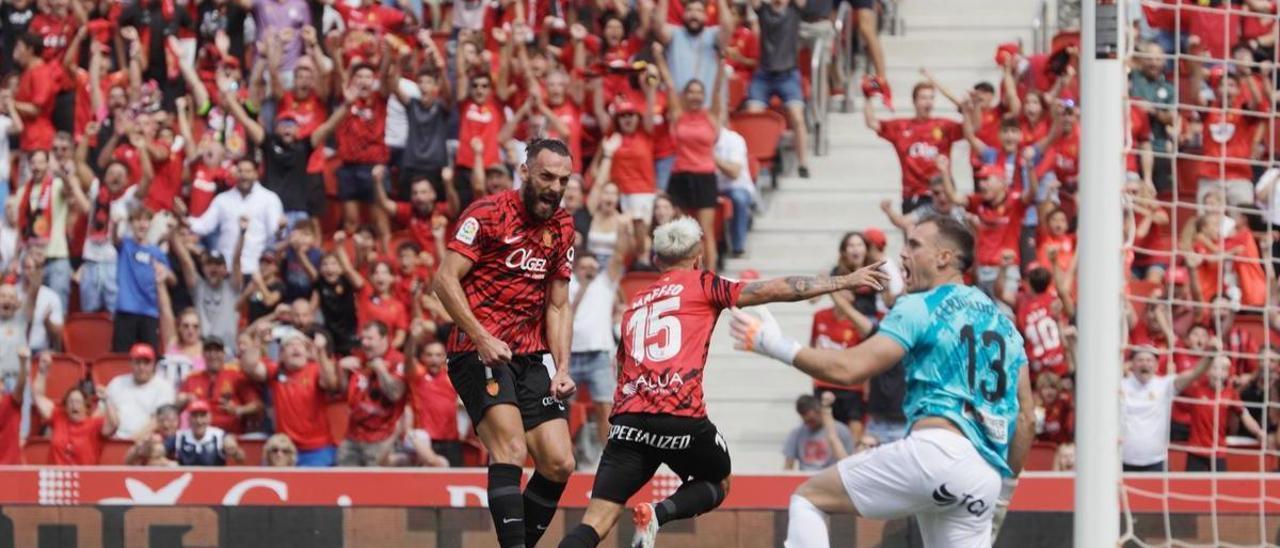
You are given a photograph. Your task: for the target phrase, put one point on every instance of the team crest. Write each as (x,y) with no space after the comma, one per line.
(467,232)
(491,387)
(546,238)
(937,133)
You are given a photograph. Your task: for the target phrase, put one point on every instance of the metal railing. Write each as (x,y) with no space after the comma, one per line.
(1040,33)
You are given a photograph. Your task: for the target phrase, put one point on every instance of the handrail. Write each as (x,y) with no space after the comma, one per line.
(820,88)
(1040,27)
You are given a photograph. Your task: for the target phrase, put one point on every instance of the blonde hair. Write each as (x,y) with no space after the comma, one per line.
(280,441)
(677,240)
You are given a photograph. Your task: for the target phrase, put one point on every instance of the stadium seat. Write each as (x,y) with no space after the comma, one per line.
(88,335)
(762,131)
(1041,456)
(633,282)
(737,92)
(36,451)
(338,413)
(114,451)
(109,367)
(252,451)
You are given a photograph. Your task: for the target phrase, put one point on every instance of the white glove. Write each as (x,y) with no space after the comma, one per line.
(763,336)
(1007,486)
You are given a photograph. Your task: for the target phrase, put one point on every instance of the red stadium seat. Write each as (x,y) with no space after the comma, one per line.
(634,282)
(88,335)
(473,453)
(109,367)
(114,451)
(252,451)
(338,413)
(753,167)
(762,131)
(36,451)
(1041,456)
(737,92)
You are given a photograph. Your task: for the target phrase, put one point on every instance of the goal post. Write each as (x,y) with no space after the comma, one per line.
(1101,280)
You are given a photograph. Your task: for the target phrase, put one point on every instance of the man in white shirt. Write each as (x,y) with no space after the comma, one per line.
(1148,405)
(593,293)
(136,397)
(249,199)
(733,177)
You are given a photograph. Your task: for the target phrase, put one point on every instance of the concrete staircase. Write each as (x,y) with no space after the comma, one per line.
(751,398)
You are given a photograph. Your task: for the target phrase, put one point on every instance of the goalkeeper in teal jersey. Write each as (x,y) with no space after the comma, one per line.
(969,407)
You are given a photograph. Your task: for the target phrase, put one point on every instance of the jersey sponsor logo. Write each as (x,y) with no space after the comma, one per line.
(468,231)
(552,401)
(654,440)
(942,497)
(922,149)
(666,384)
(525,260)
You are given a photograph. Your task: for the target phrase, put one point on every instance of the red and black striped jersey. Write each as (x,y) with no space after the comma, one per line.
(514,258)
(666,334)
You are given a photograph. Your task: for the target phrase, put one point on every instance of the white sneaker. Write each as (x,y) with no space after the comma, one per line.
(646,526)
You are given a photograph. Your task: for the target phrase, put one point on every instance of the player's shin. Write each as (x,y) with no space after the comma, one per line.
(691,499)
(541,497)
(806,525)
(505,504)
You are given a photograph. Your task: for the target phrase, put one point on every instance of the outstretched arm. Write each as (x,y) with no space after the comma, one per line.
(799,288)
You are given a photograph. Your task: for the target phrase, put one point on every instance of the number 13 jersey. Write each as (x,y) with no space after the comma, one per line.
(666,332)
(962,362)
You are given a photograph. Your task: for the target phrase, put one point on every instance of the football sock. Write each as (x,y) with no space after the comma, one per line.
(582,536)
(806,525)
(691,499)
(505,504)
(541,497)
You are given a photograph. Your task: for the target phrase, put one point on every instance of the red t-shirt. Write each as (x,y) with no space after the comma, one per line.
(1139,132)
(483,121)
(56,32)
(695,138)
(748,45)
(1063,158)
(206,182)
(373,415)
(515,258)
(570,115)
(989,128)
(831,332)
(918,143)
(390,311)
(632,168)
(419,226)
(1209,414)
(435,403)
(299,403)
(10,421)
(227,385)
(1228,137)
(167,182)
(1034,131)
(1059,422)
(998,226)
(1241,342)
(666,332)
(361,134)
(75,443)
(1216,30)
(405,285)
(38,85)
(1037,320)
(663,143)
(1066,244)
(377,18)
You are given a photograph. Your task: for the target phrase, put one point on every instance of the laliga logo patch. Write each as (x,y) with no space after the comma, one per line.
(467,232)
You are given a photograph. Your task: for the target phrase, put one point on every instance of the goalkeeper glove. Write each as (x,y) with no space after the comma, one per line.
(763,336)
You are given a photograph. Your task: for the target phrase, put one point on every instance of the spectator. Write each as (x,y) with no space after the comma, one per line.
(886,422)
(265,288)
(248,200)
(203,444)
(149,449)
(695,128)
(940,205)
(136,397)
(819,441)
(777,75)
(433,439)
(360,138)
(692,49)
(427,111)
(1150,85)
(1064,457)
(279,452)
(1146,403)
(11,404)
(1212,405)
(918,141)
(45,204)
(996,212)
(45,324)
(229,395)
(480,118)
(1040,314)
(298,384)
(300,257)
(1229,139)
(10,125)
(214,291)
(630,155)
(35,96)
(184,347)
(842,326)
(608,225)
(1054,410)
(733,179)
(334,294)
(375,392)
(106,195)
(593,295)
(142,267)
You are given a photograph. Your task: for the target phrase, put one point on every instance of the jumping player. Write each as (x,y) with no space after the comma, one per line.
(505,282)
(968,404)
(658,413)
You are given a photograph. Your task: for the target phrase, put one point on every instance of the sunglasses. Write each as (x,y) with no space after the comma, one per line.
(279,451)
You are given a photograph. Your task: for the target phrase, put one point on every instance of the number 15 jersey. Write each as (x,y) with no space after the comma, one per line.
(666,332)
(962,362)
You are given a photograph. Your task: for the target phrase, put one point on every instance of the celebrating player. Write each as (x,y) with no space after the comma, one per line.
(505,282)
(968,427)
(658,413)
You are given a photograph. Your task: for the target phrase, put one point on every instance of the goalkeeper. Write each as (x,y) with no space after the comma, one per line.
(968,404)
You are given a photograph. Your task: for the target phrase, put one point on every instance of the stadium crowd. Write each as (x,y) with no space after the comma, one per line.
(253,195)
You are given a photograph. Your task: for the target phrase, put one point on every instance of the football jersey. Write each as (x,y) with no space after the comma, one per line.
(666,332)
(373,415)
(918,143)
(833,332)
(514,260)
(962,362)
(1037,318)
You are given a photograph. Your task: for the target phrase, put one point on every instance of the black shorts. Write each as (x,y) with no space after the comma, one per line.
(693,190)
(523,382)
(849,405)
(355,183)
(639,443)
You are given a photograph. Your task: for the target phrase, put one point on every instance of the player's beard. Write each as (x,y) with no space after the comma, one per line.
(539,205)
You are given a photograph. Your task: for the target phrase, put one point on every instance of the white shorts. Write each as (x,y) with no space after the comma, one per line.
(638,206)
(933,474)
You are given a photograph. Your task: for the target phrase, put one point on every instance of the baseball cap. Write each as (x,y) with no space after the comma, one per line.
(875,236)
(212,342)
(622,105)
(214,255)
(1005,51)
(198,406)
(142,351)
(287,116)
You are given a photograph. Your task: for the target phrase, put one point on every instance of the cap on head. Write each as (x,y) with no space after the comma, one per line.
(875,237)
(142,351)
(198,406)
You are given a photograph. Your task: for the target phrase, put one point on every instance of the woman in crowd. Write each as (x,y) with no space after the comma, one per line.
(279,452)
(76,434)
